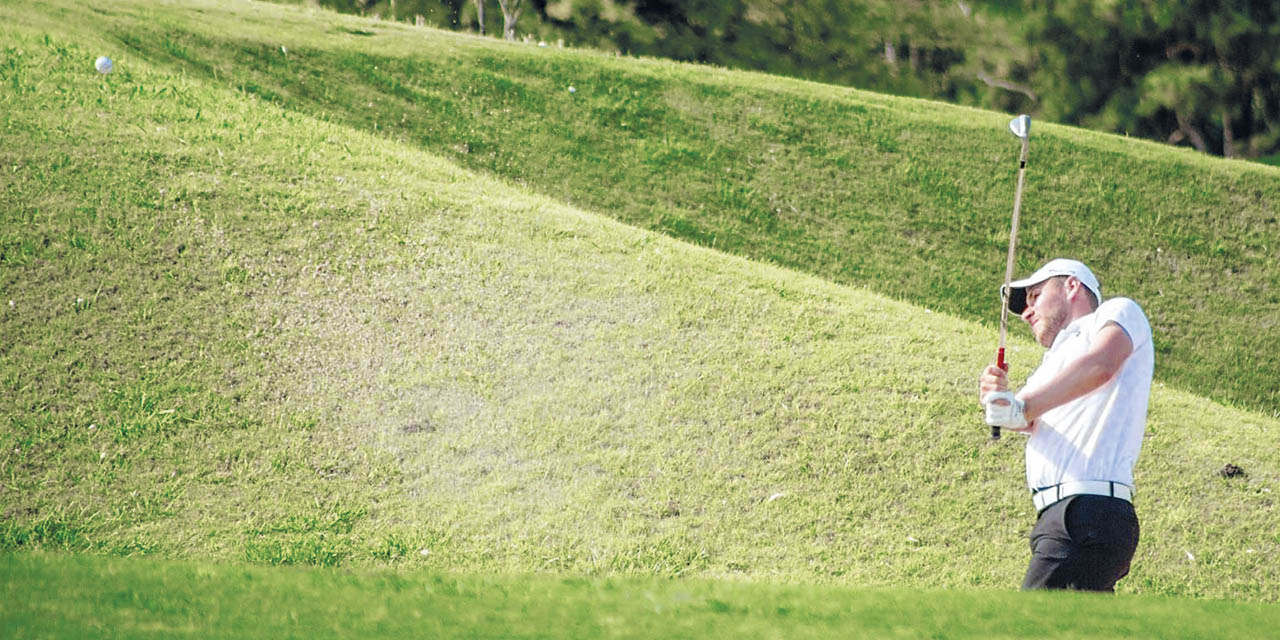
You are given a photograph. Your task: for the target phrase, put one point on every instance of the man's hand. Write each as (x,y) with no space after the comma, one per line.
(1004,410)
(993,378)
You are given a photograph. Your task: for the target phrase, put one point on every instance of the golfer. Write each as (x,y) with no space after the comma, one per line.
(1085,410)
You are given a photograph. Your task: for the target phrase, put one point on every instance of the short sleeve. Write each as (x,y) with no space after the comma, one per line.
(1129,316)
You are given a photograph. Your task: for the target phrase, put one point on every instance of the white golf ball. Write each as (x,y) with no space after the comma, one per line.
(103,64)
(572,90)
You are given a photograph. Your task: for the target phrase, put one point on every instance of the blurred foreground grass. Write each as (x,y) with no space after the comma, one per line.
(54,596)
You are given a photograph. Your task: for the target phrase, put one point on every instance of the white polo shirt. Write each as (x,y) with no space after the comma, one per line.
(1096,436)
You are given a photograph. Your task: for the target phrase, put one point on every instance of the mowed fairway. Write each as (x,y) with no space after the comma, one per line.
(243,334)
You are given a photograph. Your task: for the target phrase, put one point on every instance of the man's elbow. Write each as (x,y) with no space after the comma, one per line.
(1104,372)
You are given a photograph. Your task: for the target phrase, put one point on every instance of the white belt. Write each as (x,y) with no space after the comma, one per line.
(1046,496)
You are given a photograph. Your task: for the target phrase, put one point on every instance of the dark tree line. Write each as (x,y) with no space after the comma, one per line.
(1204,73)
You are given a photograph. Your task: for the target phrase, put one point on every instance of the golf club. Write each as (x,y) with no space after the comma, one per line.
(1020,127)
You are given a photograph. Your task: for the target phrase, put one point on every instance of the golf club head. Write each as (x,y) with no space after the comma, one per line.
(1021,126)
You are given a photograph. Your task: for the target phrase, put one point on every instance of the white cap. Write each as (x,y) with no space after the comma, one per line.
(1053,268)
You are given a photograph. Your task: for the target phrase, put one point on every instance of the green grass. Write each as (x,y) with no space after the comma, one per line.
(904,197)
(247,332)
(60,596)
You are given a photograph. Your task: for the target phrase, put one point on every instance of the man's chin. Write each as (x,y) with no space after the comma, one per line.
(1043,338)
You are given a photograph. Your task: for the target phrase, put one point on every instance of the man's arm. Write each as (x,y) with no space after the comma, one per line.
(1094,369)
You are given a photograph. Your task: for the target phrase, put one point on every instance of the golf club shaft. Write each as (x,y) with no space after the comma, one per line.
(1008,267)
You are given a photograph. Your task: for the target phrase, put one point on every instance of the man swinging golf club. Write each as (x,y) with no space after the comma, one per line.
(1084,409)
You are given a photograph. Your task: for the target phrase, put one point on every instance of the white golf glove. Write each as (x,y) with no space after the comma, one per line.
(1004,410)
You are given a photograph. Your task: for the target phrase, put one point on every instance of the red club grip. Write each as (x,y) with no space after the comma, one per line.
(995,431)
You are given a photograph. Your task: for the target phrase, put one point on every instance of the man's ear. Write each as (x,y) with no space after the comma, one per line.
(1074,287)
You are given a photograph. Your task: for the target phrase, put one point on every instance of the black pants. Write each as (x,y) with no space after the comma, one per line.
(1082,542)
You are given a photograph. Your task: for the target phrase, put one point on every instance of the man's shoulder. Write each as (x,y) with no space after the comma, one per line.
(1126,313)
(1119,302)
(1119,307)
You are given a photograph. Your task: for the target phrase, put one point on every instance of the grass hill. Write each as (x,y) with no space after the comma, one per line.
(290,287)
(907,198)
